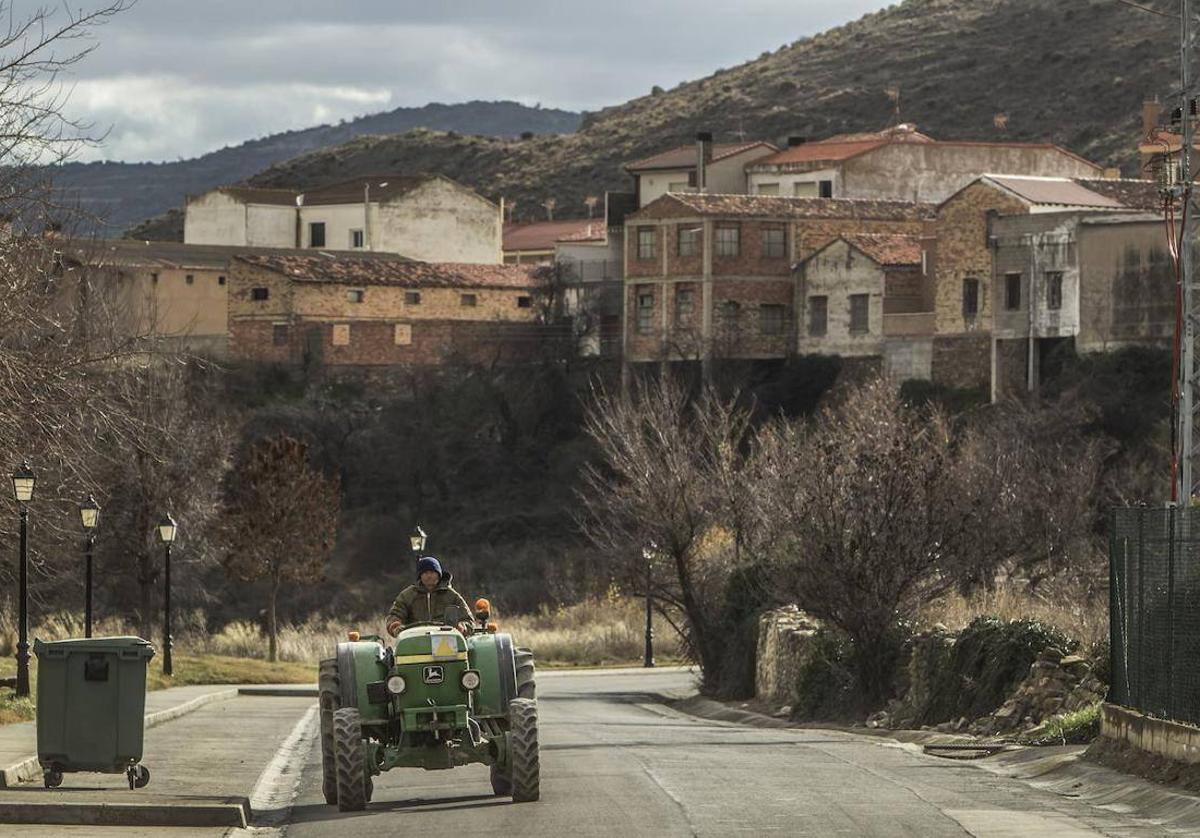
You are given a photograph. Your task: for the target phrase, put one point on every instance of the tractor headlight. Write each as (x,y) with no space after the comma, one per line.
(470,680)
(396,685)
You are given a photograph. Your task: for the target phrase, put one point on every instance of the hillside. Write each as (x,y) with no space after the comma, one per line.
(125,193)
(1073,73)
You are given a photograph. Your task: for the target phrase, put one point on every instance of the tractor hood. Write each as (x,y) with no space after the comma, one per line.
(429,644)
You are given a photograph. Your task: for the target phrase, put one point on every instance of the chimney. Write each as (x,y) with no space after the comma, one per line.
(704,152)
(1151,114)
(795,141)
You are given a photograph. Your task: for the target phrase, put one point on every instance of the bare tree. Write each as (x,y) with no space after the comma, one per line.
(591,201)
(549,204)
(281,521)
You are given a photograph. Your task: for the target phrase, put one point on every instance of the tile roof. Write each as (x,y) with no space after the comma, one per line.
(684,156)
(816,152)
(887,249)
(541,235)
(788,207)
(1135,194)
(1053,191)
(135,253)
(358,270)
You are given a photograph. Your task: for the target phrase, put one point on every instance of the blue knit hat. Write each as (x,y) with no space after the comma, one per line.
(428,563)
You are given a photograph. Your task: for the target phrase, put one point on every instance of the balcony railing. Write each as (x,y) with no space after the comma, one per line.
(919,324)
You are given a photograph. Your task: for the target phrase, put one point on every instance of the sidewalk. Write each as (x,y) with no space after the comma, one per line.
(18,742)
(205,769)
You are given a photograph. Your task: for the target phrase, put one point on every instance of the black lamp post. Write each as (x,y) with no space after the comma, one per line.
(89,516)
(648,555)
(23,480)
(167,529)
(417,539)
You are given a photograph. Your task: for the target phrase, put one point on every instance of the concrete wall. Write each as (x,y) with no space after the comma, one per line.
(1033,246)
(805,184)
(218,218)
(726,176)
(1171,740)
(935,171)
(836,273)
(908,358)
(440,221)
(339,220)
(1127,292)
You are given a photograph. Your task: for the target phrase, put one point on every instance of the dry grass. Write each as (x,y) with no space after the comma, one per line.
(1075,613)
(609,630)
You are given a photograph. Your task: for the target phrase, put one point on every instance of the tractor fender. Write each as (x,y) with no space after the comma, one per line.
(347,674)
(493,656)
(508,670)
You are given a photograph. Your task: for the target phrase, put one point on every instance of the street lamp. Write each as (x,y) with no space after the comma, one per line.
(648,555)
(23,480)
(417,539)
(89,516)
(167,530)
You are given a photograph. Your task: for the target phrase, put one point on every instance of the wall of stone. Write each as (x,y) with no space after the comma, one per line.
(784,636)
(963,362)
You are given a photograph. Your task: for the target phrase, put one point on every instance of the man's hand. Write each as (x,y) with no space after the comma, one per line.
(393,628)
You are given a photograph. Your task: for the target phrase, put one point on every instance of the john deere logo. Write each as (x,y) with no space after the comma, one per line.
(433,675)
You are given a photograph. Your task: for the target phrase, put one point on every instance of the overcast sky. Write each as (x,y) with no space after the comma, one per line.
(176,78)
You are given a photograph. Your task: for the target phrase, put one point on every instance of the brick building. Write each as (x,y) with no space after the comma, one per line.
(713,275)
(371,311)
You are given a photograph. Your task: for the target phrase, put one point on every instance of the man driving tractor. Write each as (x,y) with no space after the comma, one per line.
(426,601)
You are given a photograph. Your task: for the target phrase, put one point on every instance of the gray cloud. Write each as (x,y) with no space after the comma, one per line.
(176,78)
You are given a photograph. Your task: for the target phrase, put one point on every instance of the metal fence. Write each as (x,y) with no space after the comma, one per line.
(1154,611)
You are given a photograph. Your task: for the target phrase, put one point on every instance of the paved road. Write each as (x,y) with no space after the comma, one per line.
(614,763)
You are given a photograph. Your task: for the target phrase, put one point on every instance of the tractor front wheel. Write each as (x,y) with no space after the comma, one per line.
(501,782)
(329,700)
(523,750)
(353,782)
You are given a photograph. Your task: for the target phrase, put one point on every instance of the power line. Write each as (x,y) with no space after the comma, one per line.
(1159,12)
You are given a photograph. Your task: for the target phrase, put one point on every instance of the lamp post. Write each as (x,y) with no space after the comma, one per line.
(167,529)
(648,555)
(417,539)
(23,480)
(89,516)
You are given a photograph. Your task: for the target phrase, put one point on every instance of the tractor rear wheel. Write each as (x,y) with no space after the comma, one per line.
(526,681)
(353,782)
(523,750)
(329,700)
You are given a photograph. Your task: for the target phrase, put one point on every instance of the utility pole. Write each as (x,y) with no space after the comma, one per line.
(1189,376)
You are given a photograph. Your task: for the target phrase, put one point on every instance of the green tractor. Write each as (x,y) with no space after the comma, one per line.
(444,694)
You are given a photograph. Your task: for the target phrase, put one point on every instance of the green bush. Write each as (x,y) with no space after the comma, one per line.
(826,689)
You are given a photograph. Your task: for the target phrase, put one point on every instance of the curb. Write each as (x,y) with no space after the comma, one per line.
(280,692)
(128,814)
(29,769)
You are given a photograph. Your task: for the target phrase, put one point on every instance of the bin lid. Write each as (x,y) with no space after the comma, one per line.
(125,646)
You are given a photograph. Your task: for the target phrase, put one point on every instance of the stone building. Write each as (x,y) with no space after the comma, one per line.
(713,275)
(902,164)
(1083,280)
(868,295)
(427,217)
(380,310)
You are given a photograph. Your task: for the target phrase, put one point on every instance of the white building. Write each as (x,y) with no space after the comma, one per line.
(427,217)
(719,169)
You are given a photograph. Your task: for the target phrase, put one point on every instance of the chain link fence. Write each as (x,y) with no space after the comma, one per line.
(1154,611)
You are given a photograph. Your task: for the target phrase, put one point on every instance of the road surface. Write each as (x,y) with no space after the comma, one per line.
(615,763)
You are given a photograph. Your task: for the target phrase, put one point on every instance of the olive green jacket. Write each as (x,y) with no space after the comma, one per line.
(417,605)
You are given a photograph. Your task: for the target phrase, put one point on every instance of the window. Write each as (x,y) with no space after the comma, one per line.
(645,311)
(768,189)
(805,189)
(1012,292)
(524,302)
(154,278)
(355,295)
(190,279)
(467,301)
(729,241)
(970,297)
(402,335)
(860,314)
(693,178)
(1054,290)
(689,241)
(279,334)
(774,242)
(356,239)
(647,241)
(316,234)
(685,306)
(826,187)
(259,294)
(220,280)
(770,319)
(730,313)
(818,315)
(680,186)
(341,334)
(412,298)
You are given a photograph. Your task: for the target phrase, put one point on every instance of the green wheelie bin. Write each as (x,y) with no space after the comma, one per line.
(91,705)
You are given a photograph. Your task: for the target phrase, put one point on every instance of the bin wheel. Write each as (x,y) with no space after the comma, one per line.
(53,778)
(139,776)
